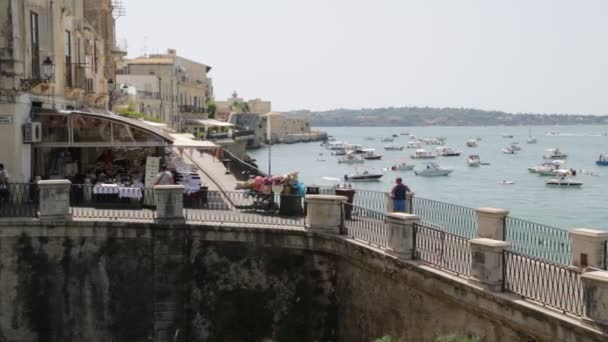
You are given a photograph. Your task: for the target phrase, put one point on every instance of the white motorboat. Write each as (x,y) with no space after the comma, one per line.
(414,144)
(555,153)
(506,182)
(433,141)
(335,146)
(433,170)
(532,140)
(338,153)
(564,181)
(350,158)
(546,169)
(364,176)
(354,148)
(474,160)
(393,147)
(472,143)
(515,146)
(403,167)
(423,154)
(551,133)
(508,150)
(448,152)
(370,154)
(388,140)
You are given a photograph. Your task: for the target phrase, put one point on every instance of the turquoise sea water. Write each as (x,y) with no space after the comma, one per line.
(529,198)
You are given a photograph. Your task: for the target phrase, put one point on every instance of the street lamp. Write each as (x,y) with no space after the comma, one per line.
(48,68)
(110,93)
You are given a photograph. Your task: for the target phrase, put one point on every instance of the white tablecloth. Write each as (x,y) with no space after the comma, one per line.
(130,193)
(105,189)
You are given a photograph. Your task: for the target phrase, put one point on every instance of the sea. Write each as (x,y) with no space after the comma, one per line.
(528,197)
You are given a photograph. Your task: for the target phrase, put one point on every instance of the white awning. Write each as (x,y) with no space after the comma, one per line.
(210,122)
(186,140)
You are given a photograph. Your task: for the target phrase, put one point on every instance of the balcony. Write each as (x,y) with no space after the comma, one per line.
(192,109)
(243,134)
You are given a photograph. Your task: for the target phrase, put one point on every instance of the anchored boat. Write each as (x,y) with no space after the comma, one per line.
(364,176)
(602,160)
(433,170)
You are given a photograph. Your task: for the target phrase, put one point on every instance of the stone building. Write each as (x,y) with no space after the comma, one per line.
(236,104)
(182,83)
(53,55)
(147,98)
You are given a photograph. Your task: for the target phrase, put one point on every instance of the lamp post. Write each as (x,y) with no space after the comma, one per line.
(48,69)
(110,93)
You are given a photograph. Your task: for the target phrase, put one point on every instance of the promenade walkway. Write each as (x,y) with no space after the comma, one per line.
(212,171)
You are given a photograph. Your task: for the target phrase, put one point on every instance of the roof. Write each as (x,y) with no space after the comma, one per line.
(209,122)
(186,140)
(273,114)
(151,60)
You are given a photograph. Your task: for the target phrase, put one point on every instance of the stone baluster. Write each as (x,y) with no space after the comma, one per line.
(595,296)
(54,202)
(588,248)
(491,223)
(169,204)
(487,263)
(324,213)
(401,234)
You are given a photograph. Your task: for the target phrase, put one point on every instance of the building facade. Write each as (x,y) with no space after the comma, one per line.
(236,104)
(182,83)
(53,55)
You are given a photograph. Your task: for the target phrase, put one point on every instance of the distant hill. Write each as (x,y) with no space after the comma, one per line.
(426,116)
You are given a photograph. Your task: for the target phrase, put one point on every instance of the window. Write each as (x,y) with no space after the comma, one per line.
(35,45)
(68,58)
(95,57)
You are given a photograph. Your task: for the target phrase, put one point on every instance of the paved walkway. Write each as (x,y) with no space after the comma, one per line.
(212,171)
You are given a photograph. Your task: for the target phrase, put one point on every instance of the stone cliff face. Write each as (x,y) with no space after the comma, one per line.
(162,286)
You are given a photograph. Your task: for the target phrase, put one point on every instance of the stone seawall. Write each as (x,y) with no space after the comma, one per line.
(95,281)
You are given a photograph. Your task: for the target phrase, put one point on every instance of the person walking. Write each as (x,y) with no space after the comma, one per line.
(164,177)
(398,194)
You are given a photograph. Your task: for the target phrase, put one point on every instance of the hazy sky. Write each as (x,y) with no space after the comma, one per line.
(546,56)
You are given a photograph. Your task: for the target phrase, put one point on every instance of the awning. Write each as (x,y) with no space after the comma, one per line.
(209,123)
(186,140)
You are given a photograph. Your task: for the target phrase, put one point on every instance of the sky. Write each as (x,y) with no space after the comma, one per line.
(531,56)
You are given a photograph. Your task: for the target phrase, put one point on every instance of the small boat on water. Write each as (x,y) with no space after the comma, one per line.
(474,160)
(546,169)
(506,182)
(515,146)
(395,136)
(404,133)
(478,138)
(472,143)
(370,154)
(388,140)
(335,145)
(531,140)
(508,150)
(350,158)
(448,152)
(564,179)
(339,153)
(393,147)
(364,176)
(555,153)
(433,170)
(403,167)
(602,160)
(414,144)
(507,136)
(423,154)
(551,133)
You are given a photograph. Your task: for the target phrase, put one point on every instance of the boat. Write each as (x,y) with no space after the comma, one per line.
(395,136)
(433,141)
(555,153)
(515,146)
(423,154)
(433,170)
(478,138)
(448,152)
(474,160)
(370,154)
(354,148)
(546,169)
(551,133)
(506,182)
(602,160)
(335,145)
(339,153)
(403,166)
(472,143)
(350,158)
(388,140)
(508,150)
(507,136)
(364,176)
(414,144)
(393,147)
(531,140)
(564,179)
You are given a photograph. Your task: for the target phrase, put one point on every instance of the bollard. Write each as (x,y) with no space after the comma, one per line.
(487,263)
(54,200)
(588,248)
(324,213)
(401,234)
(491,223)
(595,296)
(169,204)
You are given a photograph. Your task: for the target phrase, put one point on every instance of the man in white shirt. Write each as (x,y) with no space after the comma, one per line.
(164,177)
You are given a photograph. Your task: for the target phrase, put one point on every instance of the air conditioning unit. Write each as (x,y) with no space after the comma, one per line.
(32,132)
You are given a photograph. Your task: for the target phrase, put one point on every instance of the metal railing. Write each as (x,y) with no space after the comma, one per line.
(454,219)
(366,225)
(538,240)
(441,249)
(113,214)
(248,208)
(545,282)
(241,169)
(18,200)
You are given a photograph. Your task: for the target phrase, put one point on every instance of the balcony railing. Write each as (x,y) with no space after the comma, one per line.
(242,133)
(191,109)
